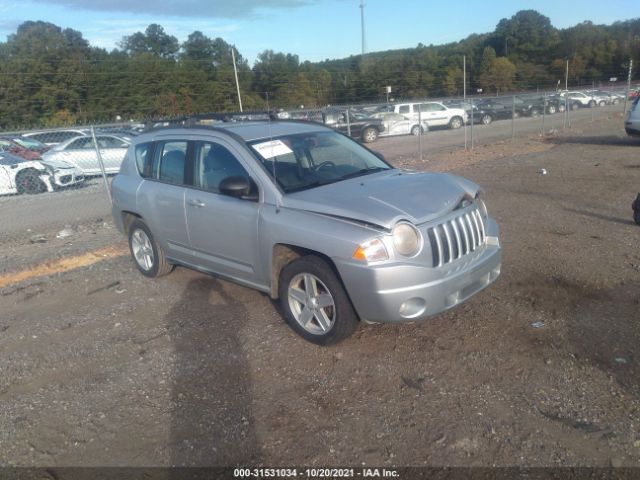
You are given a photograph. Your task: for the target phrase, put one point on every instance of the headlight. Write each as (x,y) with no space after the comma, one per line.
(406,239)
(482,206)
(371,251)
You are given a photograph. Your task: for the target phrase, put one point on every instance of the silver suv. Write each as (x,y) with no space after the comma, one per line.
(308,216)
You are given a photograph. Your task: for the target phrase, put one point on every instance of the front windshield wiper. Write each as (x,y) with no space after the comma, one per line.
(314,184)
(363,171)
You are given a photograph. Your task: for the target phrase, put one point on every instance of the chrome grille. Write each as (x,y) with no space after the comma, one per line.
(456,237)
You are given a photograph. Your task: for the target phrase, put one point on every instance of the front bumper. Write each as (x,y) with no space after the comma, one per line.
(397,293)
(67,177)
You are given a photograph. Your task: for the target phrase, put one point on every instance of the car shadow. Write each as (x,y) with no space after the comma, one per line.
(601,216)
(609,140)
(211,416)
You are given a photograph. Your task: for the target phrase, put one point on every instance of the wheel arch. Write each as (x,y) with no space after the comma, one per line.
(283,254)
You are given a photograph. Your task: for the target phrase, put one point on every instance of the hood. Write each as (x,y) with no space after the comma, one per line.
(384,198)
(53,163)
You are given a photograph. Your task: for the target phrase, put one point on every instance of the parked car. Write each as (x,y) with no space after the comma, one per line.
(81,152)
(9,146)
(30,143)
(309,217)
(55,137)
(436,114)
(19,175)
(396,124)
(606,97)
(581,99)
(632,122)
(362,127)
(497,109)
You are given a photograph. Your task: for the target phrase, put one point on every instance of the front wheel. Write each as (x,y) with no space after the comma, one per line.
(148,255)
(29,182)
(535,112)
(314,301)
(369,135)
(551,109)
(592,103)
(486,119)
(575,106)
(602,103)
(416,130)
(455,123)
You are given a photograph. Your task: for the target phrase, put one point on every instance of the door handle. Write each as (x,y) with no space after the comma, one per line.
(196,203)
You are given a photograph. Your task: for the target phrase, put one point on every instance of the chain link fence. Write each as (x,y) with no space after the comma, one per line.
(56,180)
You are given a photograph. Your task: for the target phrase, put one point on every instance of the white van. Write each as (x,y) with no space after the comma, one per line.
(434,113)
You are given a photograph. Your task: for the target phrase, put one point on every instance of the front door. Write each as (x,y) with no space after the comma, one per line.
(223,230)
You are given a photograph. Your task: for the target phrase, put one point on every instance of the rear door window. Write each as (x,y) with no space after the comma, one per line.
(170,162)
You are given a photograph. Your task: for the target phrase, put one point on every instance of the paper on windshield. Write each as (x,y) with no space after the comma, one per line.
(271,149)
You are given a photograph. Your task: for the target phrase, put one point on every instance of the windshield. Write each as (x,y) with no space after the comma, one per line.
(308,160)
(30,143)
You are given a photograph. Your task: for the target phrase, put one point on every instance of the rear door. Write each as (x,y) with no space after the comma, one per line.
(82,153)
(161,200)
(223,230)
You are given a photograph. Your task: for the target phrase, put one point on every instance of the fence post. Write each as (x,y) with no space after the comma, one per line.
(472,124)
(592,102)
(544,111)
(464,124)
(348,123)
(420,131)
(513,118)
(101,163)
(566,113)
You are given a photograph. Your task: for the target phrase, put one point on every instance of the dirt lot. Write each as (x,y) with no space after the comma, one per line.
(101,366)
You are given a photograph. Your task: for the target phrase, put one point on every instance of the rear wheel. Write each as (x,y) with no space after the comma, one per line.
(551,109)
(535,112)
(562,108)
(416,130)
(29,181)
(615,101)
(455,123)
(148,255)
(592,103)
(575,106)
(486,119)
(602,103)
(314,301)
(369,135)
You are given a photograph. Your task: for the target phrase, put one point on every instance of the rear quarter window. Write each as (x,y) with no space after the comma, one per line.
(144,159)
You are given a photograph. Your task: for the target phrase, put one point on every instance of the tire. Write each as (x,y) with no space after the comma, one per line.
(416,130)
(304,313)
(615,101)
(486,119)
(535,112)
(592,103)
(148,256)
(551,109)
(602,103)
(29,181)
(455,123)
(562,108)
(575,106)
(369,135)
(515,114)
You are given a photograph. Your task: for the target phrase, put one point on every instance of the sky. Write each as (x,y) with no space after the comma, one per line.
(312,29)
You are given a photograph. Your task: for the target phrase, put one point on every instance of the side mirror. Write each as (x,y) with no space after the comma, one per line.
(239,187)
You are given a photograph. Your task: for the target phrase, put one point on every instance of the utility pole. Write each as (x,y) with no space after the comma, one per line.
(626,97)
(235,72)
(566,77)
(362,25)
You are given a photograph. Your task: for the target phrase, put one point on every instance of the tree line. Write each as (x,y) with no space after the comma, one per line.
(51,76)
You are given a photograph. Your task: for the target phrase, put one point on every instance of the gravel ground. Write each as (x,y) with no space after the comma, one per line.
(101,366)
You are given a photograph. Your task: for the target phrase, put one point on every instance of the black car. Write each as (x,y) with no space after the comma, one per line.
(356,125)
(486,111)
